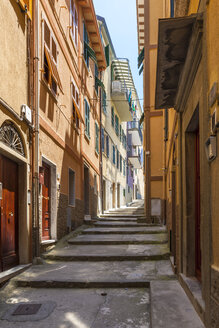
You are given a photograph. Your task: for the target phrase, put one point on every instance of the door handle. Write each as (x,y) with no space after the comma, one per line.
(11,214)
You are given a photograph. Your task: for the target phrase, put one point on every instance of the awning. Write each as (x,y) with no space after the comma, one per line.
(173,43)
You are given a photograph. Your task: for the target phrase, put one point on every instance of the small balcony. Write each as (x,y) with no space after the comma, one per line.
(119,94)
(134,157)
(135,132)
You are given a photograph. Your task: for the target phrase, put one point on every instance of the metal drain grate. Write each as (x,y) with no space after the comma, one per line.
(27,309)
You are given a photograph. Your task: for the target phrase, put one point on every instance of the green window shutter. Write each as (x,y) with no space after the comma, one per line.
(104,101)
(86,40)
(112,116)
(87,118)
(116,125)
(120,132)
(90,52)
(140,58)
(107,55)
(97,138)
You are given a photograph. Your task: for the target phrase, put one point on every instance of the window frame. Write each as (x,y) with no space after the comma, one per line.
(49,49)
(97,138)
(75,103)
(112,116)
(114,154)
(74,23)
(86,39)
(87,119)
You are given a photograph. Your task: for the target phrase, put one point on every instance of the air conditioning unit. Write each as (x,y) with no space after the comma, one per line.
(214,121)
(26,113)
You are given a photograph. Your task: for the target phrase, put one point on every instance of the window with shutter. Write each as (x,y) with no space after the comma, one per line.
(120,163)
(112,116)
(102,140)
(51,75)
(97,137)
(124,164)
(87,118)
(27,6)
(117,159)
(74,23)
(107,146)
(104,101)
(114,154)
(116,125)
(75,105)
(86,40)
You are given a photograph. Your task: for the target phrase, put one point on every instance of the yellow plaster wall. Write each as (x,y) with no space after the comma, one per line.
(193,6)
(213,69)
(157,11)
(13,55)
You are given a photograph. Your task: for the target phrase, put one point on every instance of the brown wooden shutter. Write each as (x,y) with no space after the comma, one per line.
(54,50)
(46,34)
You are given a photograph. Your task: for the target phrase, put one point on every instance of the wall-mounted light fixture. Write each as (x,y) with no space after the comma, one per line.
(211,148)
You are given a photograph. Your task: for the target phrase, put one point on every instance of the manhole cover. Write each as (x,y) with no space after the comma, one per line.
(27,309)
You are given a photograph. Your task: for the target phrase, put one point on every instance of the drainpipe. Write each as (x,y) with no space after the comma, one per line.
(36,133)
(101,154)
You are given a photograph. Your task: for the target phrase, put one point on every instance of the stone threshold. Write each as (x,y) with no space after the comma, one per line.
(8,274)
(192,288)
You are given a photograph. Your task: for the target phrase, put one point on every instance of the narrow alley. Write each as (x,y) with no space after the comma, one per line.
(114,273)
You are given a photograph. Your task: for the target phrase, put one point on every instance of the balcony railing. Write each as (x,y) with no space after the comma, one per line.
(136,134)
(120,96)
(134,157)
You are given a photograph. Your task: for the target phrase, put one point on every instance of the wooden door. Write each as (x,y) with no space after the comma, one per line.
(46,201)
(173,214)
(86,191)
(118,195)
(113,195)
(197,207)
(9,213)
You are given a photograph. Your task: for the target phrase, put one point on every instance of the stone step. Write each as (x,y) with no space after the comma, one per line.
(109,253)
(129,231)
(119,224)
(115,219)
(119,239)
(95,274)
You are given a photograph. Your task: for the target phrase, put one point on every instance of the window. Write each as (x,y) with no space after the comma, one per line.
(107,146)
(123,192)
(117,159)
(114,154)
(117,125)
(103,140)
(112,116)
(120,132)
(74,23)
(86,39)
(104,101)
(87,118)
(96,137)
(96,78)
(124,164)
(120,163)
(51,75)
(71,187)
(75,104)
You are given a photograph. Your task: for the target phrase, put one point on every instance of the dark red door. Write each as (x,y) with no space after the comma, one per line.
(9,213)
(46,203)
(197,208)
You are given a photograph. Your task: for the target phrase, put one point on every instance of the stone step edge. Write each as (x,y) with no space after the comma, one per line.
(97,258)
(90,284)
(121,232)
(114,242)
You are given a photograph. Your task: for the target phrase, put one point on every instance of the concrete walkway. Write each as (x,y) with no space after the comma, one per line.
(116,274)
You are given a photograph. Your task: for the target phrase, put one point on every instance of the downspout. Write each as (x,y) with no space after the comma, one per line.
(101,154)
(36,134)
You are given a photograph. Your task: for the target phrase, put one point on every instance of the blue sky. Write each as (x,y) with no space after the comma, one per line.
(121,20)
